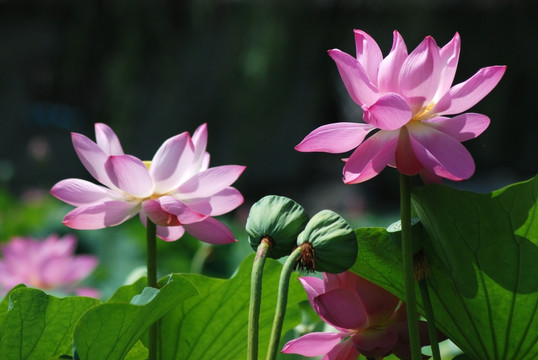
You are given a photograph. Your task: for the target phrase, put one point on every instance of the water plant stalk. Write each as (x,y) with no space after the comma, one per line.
(151,248)
(282,301)
(428,309)
(255,298)
(407,258)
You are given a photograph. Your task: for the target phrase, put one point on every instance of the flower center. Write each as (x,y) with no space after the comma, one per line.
(424,113)
(147,163)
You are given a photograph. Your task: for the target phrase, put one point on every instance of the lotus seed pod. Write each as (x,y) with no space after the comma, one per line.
(279,220)
(329,243)
(395,232)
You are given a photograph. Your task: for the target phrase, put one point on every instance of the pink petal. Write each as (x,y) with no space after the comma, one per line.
(81,266)
(129,174)
(205,162)
(209,182)
(60,247)
(420,74)
(221,203)
(466,94)
(429,177)
(166,233)
(211,231)
(107,140)
(449,59)
(405,160)
(92,157)
(371,157)
(378,303)
(343,351)
(102,215)
(313,286)
(335,138)
(346,280)
(171,163)
(199,139)
(441,153)
(389,69)
(81,192)
(389,112)
(313,344)
(375,342)
(341,308)
(58,271)
(170,233)
(368,54)
(357,83)
(462,127)
(158,215)
(174,206)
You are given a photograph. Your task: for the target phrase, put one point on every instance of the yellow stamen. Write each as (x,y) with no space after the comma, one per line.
(423,114)
(147,163)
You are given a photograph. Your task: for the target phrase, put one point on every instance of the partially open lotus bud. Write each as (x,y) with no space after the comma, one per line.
(276,219)
(329,244)
(395,232)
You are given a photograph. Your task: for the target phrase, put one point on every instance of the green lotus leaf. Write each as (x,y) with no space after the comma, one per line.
(482,251)
(40,326)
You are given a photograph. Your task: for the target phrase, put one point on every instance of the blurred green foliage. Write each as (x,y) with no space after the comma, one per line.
(256,71)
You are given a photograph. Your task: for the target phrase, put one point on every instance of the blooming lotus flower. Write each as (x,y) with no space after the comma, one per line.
(406,97)
(369,320)
(176,190)
(49,264)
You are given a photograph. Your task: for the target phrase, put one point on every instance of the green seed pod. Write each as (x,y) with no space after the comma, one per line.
(329,244)
(279,220)
(395,233)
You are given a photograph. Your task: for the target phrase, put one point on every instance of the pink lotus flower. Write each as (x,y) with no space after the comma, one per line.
(369,320)
(177,190)
(406,97)
(49,264)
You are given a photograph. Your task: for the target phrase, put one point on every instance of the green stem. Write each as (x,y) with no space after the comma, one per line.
(256,298)
(428,308)
(151,243)
(407,257)
(282,301)
(200,257)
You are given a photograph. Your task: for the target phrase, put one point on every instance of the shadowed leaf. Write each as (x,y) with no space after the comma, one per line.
(482,251)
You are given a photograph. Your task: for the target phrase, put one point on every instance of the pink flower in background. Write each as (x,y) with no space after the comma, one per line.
(177,190)
(406,97)
(48,264)
(369,320)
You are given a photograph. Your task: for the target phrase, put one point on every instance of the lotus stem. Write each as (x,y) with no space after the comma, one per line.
(428,309)
(151,243)
(282,301)
(407,257)
(255,298)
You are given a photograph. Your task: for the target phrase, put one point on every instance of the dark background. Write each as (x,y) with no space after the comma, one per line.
(257,72)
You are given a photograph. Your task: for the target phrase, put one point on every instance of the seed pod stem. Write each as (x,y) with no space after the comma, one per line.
(255,298)
(282,302)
